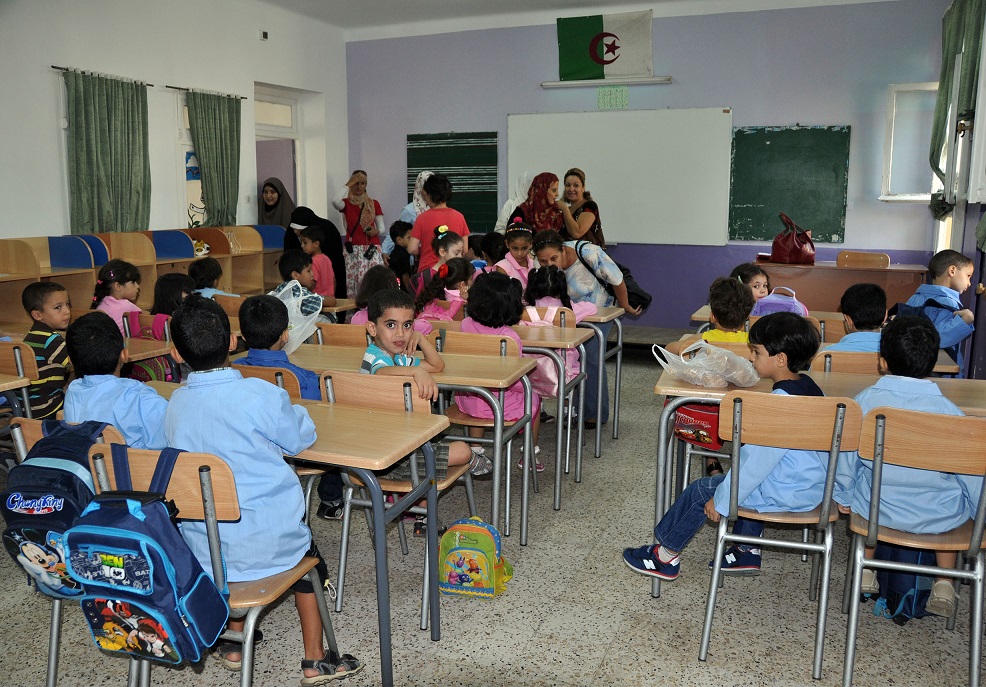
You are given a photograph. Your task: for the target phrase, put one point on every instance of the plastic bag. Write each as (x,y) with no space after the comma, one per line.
(711,366)
(300,325)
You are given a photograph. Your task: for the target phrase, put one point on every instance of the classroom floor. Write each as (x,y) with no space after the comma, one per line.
(573,614)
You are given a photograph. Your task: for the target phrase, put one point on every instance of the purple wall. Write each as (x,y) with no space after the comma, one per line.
(824,65)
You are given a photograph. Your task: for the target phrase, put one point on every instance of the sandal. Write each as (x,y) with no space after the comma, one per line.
(222,652)
(331,667)
(713,468)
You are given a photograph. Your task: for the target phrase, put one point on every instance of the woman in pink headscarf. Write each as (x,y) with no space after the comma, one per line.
(540,210)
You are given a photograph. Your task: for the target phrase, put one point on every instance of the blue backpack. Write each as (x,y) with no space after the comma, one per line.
(44,496)
(903,595)
(146,595)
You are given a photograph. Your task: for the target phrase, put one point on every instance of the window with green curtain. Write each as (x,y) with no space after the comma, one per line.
(214,122)
(109,173)
(469,161)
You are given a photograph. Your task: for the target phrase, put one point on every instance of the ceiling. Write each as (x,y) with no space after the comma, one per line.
(366,19)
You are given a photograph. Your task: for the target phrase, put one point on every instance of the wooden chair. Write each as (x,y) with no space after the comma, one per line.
(17,358)
(825,424)
(25,433)
(203,488)
(383,393)
(353,335)
(832,329)
(230,304)
(912,439)
(564,317)
(851,258)
(857,362)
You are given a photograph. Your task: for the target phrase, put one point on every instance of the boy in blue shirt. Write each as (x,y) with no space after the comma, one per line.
(205,272)
(920,501)
(864,310)
(95,347)
(774,479)
(251,424)
(951,274)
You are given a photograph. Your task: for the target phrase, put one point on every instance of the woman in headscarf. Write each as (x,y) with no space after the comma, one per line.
(540,210)
(364,227)
(518,197)
(332,247)
(581,214)
(274,207)
(410,211)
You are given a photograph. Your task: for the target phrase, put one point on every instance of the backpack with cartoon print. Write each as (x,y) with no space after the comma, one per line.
(470,562)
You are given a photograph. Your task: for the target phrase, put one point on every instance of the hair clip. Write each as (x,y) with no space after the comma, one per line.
(442,229)
(443,270)
(98,282)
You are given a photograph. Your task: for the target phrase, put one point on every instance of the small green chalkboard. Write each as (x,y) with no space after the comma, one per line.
(802,171)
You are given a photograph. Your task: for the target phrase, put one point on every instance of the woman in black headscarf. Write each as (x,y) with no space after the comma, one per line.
(274,206)
(304,217)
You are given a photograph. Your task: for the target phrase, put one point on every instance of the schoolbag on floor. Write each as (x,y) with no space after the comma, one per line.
(146,595)
(903,595)
(44,496)
(469,560)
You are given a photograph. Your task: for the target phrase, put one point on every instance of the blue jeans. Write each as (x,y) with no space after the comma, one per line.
(591,368)
(687,516)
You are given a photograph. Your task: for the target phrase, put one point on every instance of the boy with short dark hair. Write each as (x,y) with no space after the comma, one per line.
(864,310)
(270,537)
(296,265)
(773,479)
(96,349)
(912,500)
(951,274)
(401,262)
(264,325)
(730,302)
(205,272)
(48,305)
(312,238)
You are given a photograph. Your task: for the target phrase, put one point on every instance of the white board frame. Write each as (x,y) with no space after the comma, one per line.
(659,176)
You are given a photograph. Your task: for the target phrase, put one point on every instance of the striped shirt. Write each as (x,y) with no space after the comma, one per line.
(47,393)
(375,358)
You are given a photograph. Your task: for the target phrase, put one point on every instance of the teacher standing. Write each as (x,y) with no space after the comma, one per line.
(364,226)
(436,191)
(579,211)
(541,210)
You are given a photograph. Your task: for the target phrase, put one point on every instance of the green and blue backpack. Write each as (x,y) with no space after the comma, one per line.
(470,562)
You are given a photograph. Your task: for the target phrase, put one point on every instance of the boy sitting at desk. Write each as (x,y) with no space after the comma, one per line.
(951,274)
(864,310)
(95,346)
(730,301)
(774,479)
(47,303)
(251,424)
(390,322)
(919,501)
(296,265)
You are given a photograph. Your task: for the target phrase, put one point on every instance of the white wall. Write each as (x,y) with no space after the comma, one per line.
(206,45)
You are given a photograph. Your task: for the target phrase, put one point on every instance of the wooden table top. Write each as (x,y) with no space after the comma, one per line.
(553,337)
(967,394)
(142,349)
(342,305)
(607,314)
(703,314)
(10,382)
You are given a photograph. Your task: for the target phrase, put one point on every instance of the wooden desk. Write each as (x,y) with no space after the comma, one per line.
(820,286)
(341,305)
(833,326)
(142,349)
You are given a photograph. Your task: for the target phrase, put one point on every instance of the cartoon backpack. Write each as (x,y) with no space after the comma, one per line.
(44,496)
(161,368)
(469,560)
(146,595)
(779,302)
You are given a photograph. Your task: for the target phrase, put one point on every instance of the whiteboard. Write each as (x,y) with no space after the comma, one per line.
(658,176)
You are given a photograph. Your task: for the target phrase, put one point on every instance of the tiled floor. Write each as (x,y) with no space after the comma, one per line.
(573,615)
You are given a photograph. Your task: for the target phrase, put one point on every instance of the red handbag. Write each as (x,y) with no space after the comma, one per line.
(793,246)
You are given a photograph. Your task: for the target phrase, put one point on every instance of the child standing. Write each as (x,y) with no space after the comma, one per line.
(754,276)
(864,310)
(401,262)
(48,305)
(920,501)
(774,479)
(494,306)
(96,349)
(206,273)
(951,274)
(451,283)
(312,238)
(117,290)
(252,435)
(518,240)
(731,302)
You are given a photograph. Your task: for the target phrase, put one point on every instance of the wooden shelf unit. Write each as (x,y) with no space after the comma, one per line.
(273,239)
(18,268)
(246,252)
(66,260)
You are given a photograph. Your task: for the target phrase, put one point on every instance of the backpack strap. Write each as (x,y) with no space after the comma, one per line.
(162,471)
(578,252)
(93,427)
(121,467)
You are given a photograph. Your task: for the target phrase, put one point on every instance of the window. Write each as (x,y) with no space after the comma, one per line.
(907,176)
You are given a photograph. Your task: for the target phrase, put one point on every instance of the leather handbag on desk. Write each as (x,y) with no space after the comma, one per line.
(793,246)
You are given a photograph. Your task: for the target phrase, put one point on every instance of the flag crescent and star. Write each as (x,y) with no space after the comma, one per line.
(611,47)
(605,46)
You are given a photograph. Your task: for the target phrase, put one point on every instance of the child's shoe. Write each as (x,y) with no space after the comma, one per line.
(330,667)
(479,464)
(942,599)
(739,560)
(538,465)
(869,584)
(645,561)
(330,510)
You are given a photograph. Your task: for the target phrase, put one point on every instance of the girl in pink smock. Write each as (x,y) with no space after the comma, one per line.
(445,296)
(518,261)
(117,290)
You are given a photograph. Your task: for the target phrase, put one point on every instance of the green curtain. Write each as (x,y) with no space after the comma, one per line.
(109,171)
(214,121)
(962,28)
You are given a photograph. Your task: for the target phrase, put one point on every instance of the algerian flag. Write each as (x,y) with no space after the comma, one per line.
(605,46)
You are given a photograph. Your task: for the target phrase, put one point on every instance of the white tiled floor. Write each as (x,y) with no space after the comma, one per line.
(573,615)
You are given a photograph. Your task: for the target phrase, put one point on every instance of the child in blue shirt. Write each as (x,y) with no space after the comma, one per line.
(251,424)
(951,274)
(774,479)
(95,347)
(205,272)
(912,500)
(864,310)
(264,325)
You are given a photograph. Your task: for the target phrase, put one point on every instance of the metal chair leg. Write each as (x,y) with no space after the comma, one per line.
(246,662)
(54,637)
(856,559)
(347,512)
(710,604)
(470,495)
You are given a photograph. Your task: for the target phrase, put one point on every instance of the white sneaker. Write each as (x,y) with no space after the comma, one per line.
(942,599)
(538,465)
(870,585)
(479,464)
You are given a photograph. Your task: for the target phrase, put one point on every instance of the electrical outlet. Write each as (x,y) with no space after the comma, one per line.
(264,35)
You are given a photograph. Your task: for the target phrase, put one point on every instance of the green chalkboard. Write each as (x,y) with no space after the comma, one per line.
(802,171)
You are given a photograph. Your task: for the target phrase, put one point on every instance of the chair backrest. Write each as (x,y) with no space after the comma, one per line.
(833,329)
(814,322)
(450,341)
(858,362)
(231,304)
(145,323)
(852,258)
(31,433)
(382,392)
(353,335)
(564,317)
(185,489)
(17,358)
(279,376)
(740,348)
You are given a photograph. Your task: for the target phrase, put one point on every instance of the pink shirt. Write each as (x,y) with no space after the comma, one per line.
(514,269)
(513,398)
(582,309)
(325,280)
(116,308)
